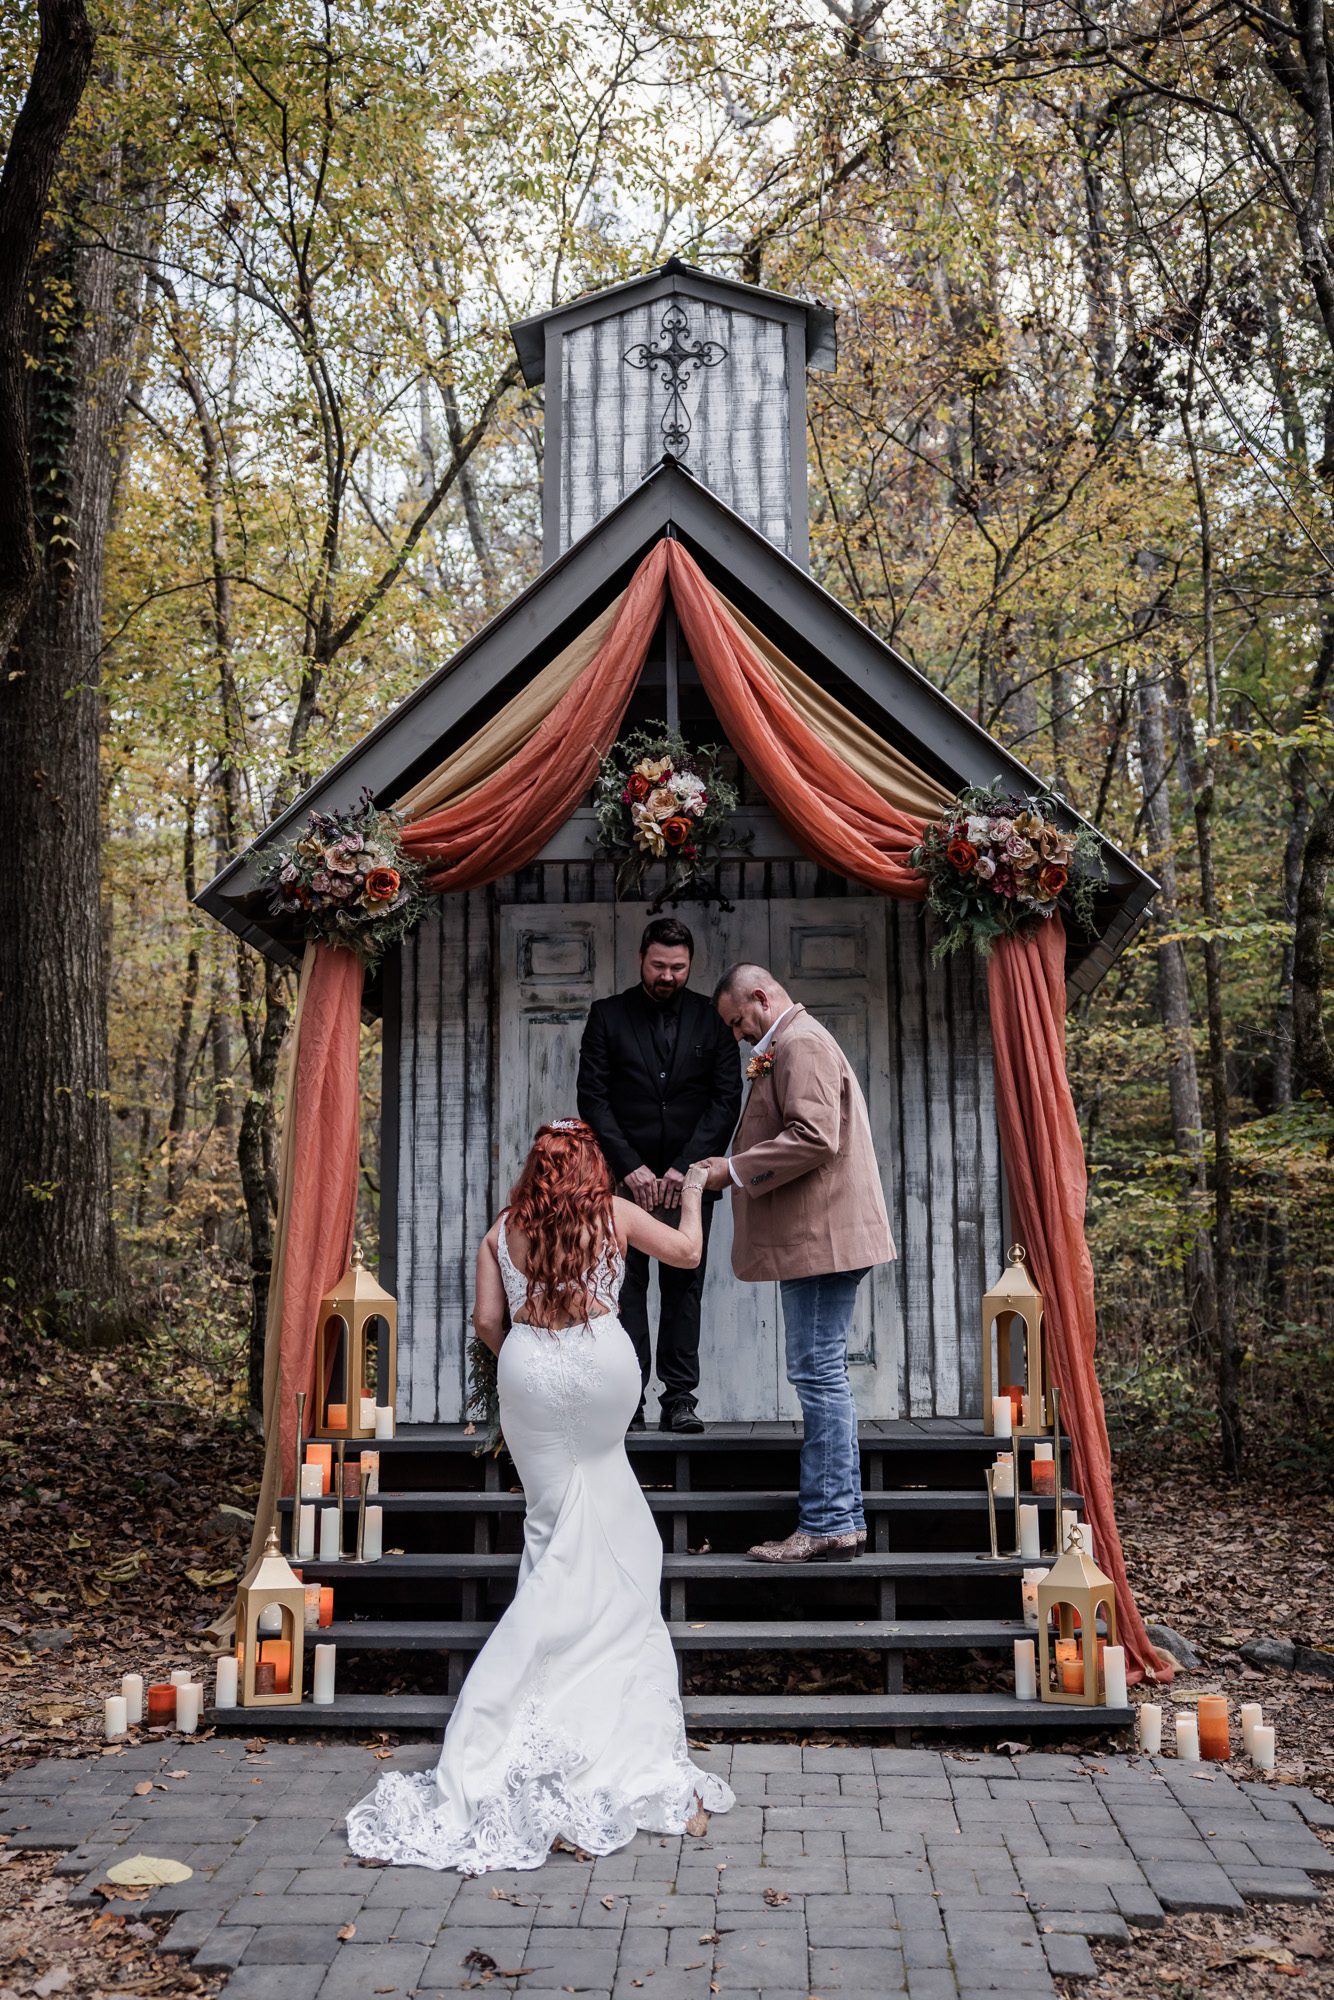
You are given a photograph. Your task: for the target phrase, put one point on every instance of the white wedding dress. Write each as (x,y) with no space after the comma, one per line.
(570,1721)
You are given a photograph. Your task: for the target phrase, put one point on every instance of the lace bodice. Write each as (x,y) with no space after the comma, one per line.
(603,1282)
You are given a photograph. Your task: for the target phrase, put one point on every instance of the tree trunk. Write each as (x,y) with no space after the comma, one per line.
(1314,1053)
(56,1231)
(59,76)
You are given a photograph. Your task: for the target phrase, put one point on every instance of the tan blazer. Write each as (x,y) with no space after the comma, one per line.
(809,1201)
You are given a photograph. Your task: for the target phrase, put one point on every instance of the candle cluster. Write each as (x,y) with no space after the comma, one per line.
(174,1704)
(1070,1667)
(321,1493)
(1206,1734)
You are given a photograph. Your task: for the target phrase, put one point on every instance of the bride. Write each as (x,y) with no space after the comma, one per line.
(569,1723)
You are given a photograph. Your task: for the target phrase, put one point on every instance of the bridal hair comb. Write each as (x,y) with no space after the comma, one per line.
(566,1124)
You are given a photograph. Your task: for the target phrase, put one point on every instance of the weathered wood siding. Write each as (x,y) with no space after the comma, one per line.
(740,432)
(481,1049)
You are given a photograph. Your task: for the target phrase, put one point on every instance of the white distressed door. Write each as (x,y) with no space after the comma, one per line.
(830,954)
(738,1339)
(555,960)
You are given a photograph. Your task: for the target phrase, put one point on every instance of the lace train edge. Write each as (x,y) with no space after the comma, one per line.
(399,1822)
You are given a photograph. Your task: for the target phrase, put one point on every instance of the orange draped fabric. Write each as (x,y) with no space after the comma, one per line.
(839,821)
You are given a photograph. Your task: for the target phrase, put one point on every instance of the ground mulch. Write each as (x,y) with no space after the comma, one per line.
(127,1514)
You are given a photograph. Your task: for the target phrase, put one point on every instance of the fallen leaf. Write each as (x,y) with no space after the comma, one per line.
(775,1897)
(178,1774)
(143,1788)
(698,1823)
(50,1982)
(256,1746)
(149,1868)
(608,1902)
(710,1937)
(210,1579)
(345,1931)
(1308,1944)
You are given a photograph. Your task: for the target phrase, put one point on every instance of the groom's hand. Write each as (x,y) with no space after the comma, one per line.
(719,1174)
(670,1188)
(643,1187)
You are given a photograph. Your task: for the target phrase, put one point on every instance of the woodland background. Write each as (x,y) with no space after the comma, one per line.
(1077,464)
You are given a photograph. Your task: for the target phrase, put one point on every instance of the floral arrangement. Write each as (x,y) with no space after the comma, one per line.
(659,801)
(759,1066)
(998,864)
(347,879)
(483,1405)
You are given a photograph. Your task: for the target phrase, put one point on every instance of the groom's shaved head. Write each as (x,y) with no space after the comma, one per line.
(744,978)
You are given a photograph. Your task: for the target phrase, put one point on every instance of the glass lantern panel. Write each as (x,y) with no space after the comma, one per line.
(374,1336)
(333,1359)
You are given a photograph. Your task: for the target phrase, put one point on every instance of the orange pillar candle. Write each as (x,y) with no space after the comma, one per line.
(1215,1746)
(161,1704)
(1044,1475)
(1072,1676)
(1016,1396)
(278,1654)
(321,1455)
(335,1416)
(326,1604)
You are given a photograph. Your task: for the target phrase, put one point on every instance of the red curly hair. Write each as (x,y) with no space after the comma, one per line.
(562,1203)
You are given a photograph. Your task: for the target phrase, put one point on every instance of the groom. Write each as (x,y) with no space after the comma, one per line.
(807,1209)
(660,1084)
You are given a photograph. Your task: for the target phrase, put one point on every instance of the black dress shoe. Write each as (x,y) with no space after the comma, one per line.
(680,1417)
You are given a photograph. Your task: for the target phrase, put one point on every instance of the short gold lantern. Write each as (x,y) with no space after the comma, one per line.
(1012,1356)
(270,1631)
(356,1354)
(1075,1592)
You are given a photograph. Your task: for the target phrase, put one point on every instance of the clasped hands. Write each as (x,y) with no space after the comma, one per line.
(652,1190)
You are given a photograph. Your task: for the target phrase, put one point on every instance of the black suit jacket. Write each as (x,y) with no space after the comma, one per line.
(641,1117)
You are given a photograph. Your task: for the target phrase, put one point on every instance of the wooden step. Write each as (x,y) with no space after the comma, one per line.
(411,1714)
(704,1635)
(887,1435)
(701,1500)
(425,1567)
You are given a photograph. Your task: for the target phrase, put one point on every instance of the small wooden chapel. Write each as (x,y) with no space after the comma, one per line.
(676,411)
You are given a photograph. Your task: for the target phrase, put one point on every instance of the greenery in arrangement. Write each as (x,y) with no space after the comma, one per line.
(347,880)
(483,1405)
(658,800)
(998,864)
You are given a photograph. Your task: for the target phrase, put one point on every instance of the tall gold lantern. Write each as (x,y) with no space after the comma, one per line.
(269,1585)
(356,1354)
(1074,1587)
(1012,1353)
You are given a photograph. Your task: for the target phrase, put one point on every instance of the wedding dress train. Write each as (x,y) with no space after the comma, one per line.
(569,1723)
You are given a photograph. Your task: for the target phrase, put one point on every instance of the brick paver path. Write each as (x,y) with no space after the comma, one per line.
(852,1872)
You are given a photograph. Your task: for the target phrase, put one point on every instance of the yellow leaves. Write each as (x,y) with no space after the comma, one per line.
(210,1579)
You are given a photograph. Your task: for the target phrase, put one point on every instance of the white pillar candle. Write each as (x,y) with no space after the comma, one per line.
(1030,1535)
(1149,1727)
(312,1482)
(189,1707)
(1029,1590)
(1114,1677)
(1042,1449)
(132,1688)
(224,1687)
(367,1413)
(1025,1670)
(1251,1716)
(305,1533)
(372,1546)
(182,1674)
(1188,1739)
(1262,1746)
(322,1690)
(1069,1521)
(384,1420)
(1002,1417)
(114,1719)
(1002,1476)
(330,1530)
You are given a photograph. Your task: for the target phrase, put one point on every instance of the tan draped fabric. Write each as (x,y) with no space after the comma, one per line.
(887,770)
(506,733)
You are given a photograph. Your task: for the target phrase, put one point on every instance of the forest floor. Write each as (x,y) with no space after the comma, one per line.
(127,1513)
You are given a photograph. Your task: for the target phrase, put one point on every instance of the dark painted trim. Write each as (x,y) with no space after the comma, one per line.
(533,337)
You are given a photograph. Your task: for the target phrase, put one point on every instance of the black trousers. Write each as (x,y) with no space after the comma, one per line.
(678,1318)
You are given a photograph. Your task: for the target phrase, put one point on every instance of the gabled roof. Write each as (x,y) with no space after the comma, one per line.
(809,625)
(530,335)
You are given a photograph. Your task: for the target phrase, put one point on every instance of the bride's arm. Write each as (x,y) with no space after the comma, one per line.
(489,1311)
(683,1245)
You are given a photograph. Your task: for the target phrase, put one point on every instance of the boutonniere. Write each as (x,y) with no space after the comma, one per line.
(759,1066)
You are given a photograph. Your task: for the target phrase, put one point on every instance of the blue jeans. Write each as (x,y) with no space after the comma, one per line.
(817,1319)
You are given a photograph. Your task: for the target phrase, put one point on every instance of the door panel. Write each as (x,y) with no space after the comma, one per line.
(554,962)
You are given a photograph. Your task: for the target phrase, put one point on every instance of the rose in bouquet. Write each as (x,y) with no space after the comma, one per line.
(999,863)
(659,801)
(346,879)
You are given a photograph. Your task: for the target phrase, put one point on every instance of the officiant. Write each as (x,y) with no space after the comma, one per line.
(660,1084)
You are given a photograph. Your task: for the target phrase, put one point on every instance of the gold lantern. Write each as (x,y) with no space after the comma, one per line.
(356,1354)
(1012,1357)
(269,1587)
(1074,1589)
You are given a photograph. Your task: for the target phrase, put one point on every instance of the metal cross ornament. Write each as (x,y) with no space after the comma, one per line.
(680,362)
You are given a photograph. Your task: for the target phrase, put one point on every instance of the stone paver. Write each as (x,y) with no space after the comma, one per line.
(935,1875)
